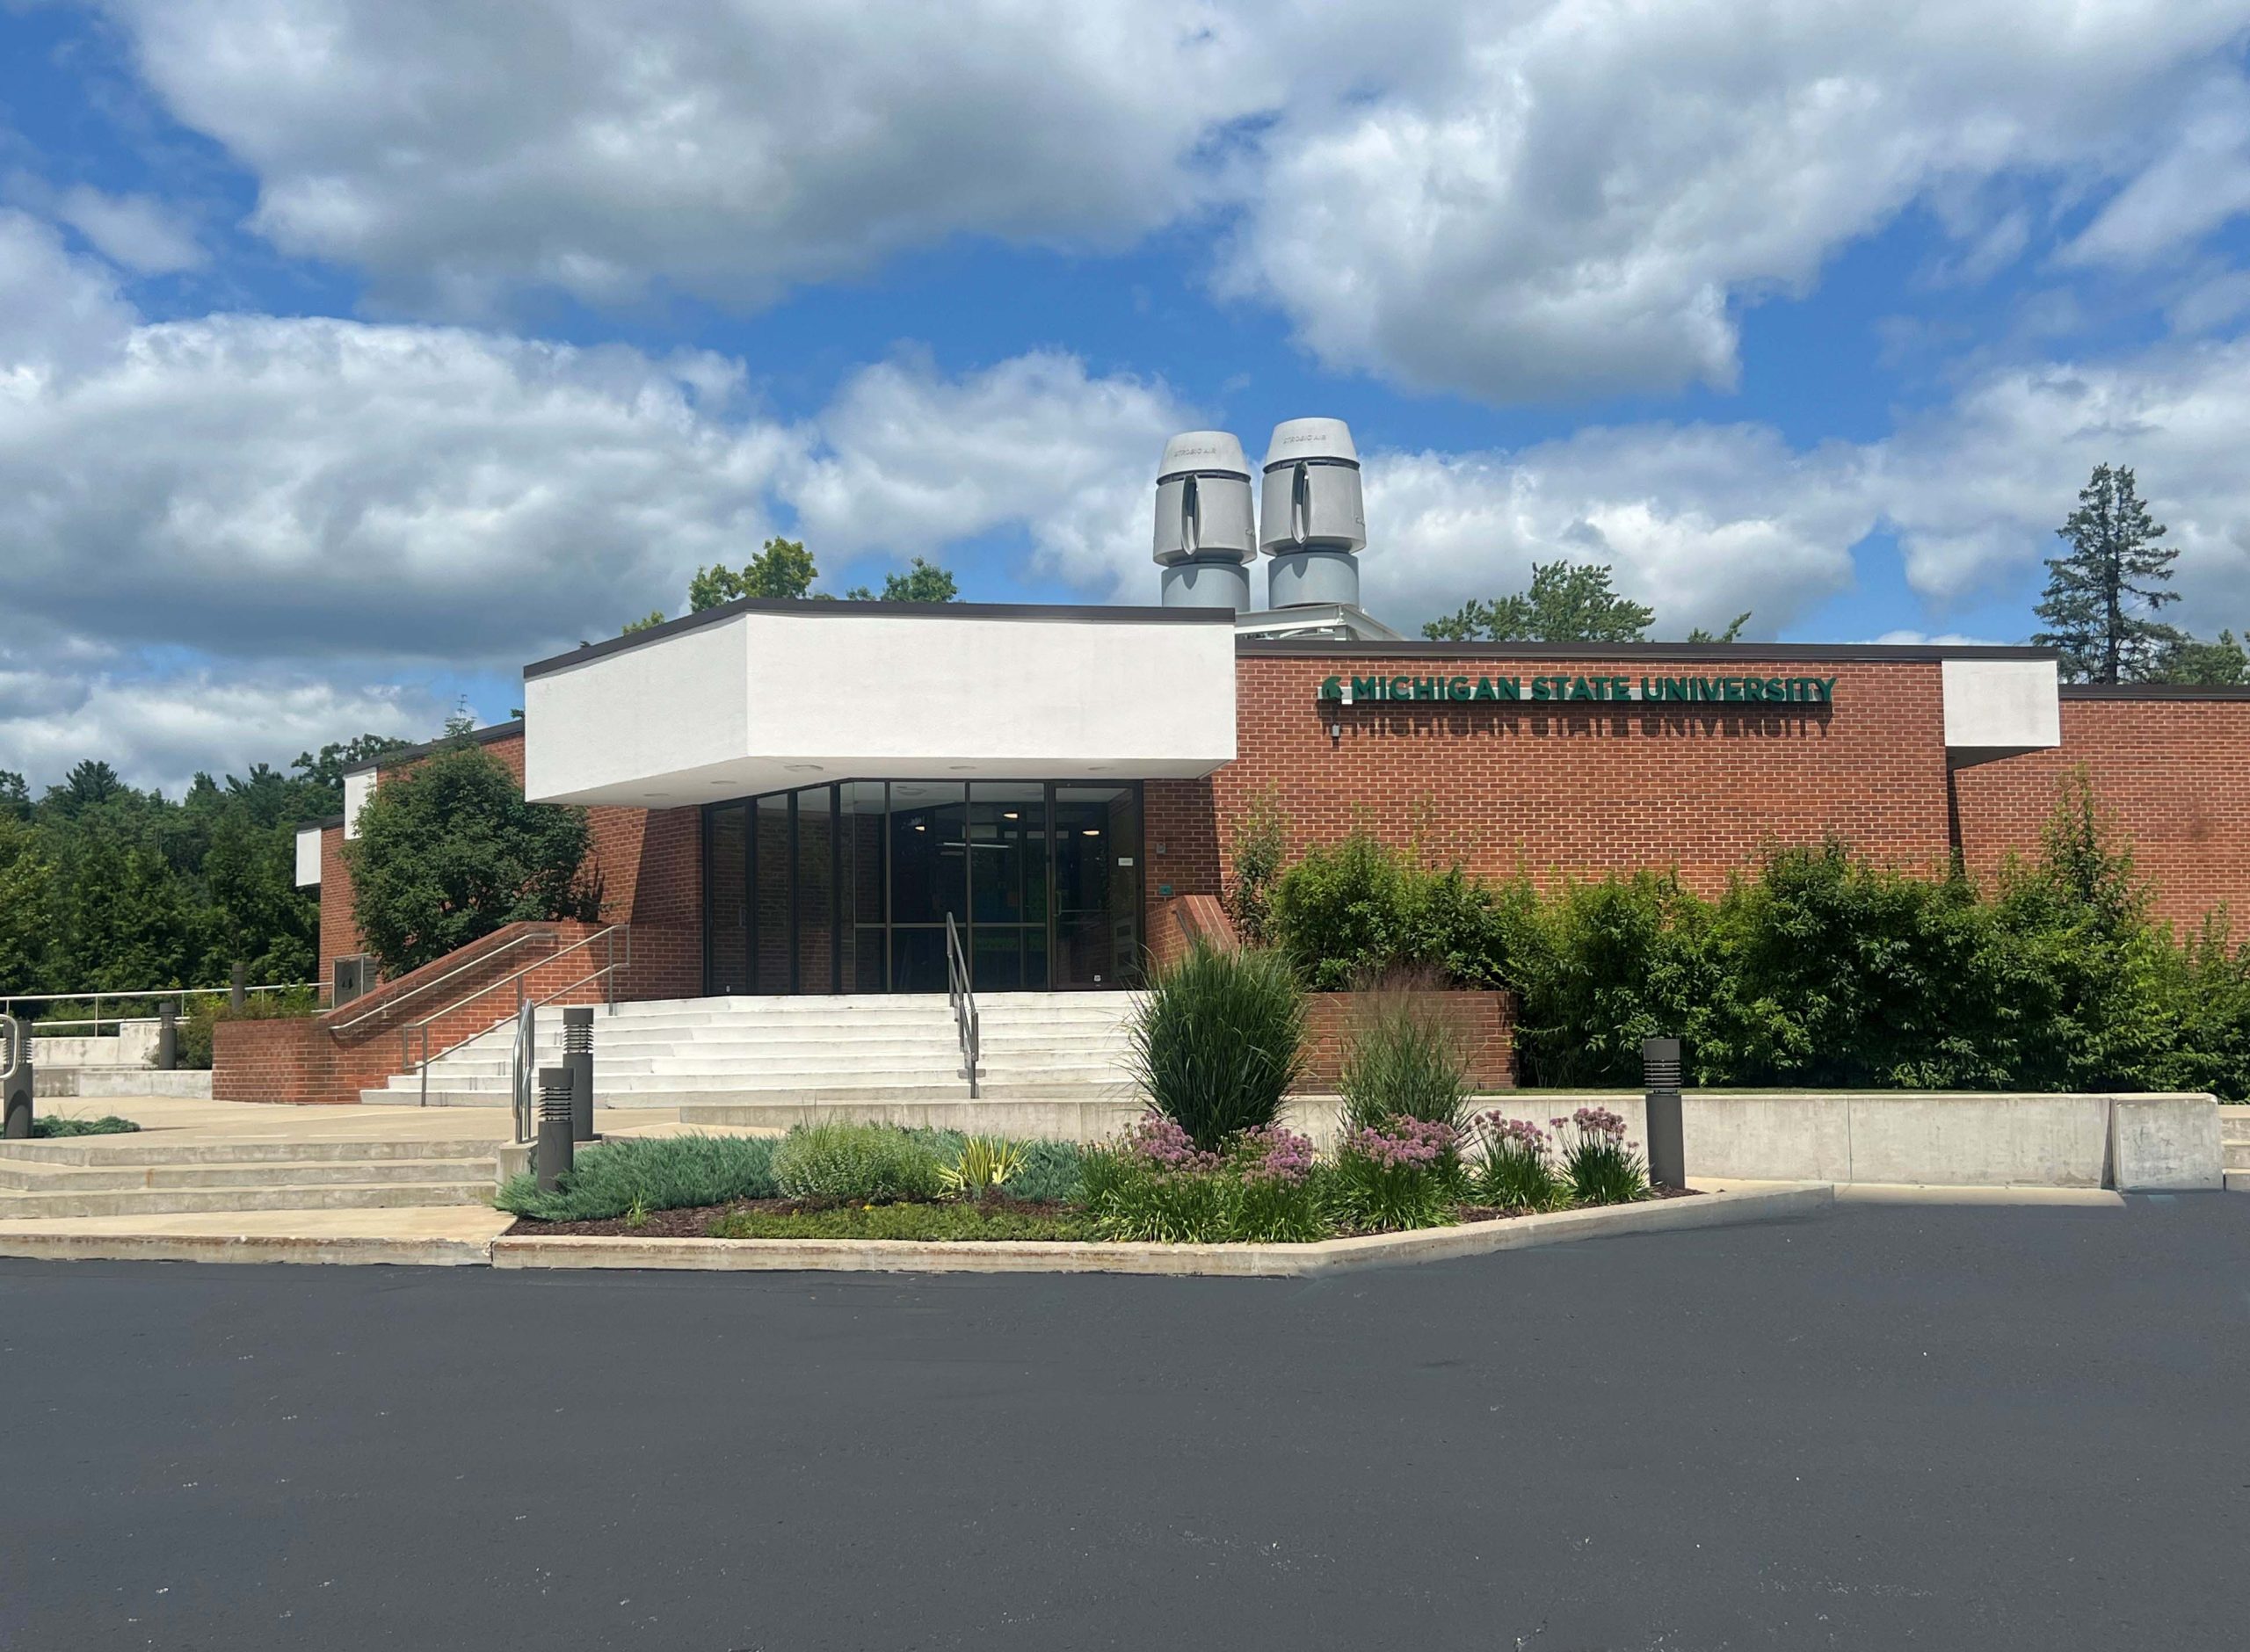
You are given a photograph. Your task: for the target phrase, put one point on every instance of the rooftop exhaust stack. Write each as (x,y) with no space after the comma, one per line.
(1205,535)
(1312,522)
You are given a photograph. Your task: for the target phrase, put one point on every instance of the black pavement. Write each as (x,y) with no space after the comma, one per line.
(1989,1427)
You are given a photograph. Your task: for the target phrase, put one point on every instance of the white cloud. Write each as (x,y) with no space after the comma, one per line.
(54,309)
(458,152)
(258,486)
(1976,488)
(135,231)
(912,459)
(1559,198)
(1701,522)
(158,729)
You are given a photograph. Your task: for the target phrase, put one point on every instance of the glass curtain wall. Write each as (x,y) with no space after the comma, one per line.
(847,888)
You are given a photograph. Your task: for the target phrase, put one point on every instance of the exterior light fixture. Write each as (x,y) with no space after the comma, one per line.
(1011,815)
(1091,832)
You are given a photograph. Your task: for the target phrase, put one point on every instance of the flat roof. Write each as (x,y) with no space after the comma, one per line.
(2156,691)
(407,754)
(840,608)
(1873,652)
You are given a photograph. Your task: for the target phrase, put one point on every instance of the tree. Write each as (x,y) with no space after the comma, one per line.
(649,621)
(784,568)
(1568,602)
(2102,595)
(1732,633)
(448,851)
(26,878)
(922,581)
(2219,664)
(323,772)
(89,785)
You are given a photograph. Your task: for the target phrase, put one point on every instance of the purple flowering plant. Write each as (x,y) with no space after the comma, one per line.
(1515,1168)
(1402,1173)
(1601,1166)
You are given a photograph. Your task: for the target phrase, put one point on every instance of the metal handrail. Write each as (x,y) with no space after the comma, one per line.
(388,1004)
(962,997)
(607,975)
(8,1001)
(521,1061)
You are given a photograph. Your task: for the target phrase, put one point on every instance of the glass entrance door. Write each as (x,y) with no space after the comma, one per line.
(847,886)
(1096,885)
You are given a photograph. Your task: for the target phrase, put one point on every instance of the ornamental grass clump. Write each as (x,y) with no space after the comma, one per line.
(1601,1167)
(1217,1041)
(983,1165)
(871,1163)
(1405,1061)
(1515,1169)
(1404,1174)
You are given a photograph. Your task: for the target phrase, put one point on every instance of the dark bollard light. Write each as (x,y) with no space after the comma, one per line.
(1667,1143)
(15,1080)
(578,1056)
(168,1037)
(551,1156)
(238,989)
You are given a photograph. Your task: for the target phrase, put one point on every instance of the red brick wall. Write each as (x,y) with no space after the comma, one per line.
(1483,1022)
(650,866)
(2176,773)
(331,1057)
(1558,789)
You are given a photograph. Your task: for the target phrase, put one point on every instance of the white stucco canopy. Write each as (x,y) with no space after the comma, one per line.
(760,695)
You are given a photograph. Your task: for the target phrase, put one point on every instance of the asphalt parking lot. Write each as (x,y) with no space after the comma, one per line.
(1976,1427)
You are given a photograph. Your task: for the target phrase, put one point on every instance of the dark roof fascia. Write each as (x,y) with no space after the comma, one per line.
(320,825)
(407,754)
(1083,614)
(2156,691)
(1715,652)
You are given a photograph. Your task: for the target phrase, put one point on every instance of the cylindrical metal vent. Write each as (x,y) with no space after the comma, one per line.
(1310,517)
(1206,585)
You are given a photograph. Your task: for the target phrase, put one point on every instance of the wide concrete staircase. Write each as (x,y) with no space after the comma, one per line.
(2234,1146)
(149,1176)
(772,1060)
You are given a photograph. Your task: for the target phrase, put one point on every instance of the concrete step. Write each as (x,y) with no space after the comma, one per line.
(150,1147)
(183,1201)
(2235,1155)
(22,1176)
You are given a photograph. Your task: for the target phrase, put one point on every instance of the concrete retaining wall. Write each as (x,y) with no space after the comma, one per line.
(134,1044)
(118,1080)
(2130,1143)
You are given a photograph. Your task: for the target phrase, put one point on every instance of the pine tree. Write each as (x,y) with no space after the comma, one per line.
(2102,595)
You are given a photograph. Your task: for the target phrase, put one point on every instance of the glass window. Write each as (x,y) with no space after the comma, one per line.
(816,879)
(929,871)
(728,908)
(1007,853)
(770,908)
(917,960)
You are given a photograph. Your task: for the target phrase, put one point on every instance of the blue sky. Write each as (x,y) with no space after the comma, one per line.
(353,353)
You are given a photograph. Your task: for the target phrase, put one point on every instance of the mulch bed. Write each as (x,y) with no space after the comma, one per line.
(693,1221)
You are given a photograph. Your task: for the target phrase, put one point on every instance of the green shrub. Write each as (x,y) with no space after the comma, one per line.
(1404,1060)
(54,1125)
(904,1221)
(1360,910)
(1156,1186)
(1049,1173)
(860,1162)
(1217,1041)
(980,1167)
(203,1012)
(610,1178)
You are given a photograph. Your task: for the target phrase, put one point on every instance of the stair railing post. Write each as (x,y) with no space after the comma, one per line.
(167,1036)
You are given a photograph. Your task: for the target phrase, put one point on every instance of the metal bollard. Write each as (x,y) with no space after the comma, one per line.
(578,1056)
(238,989)
(1667,1140)
(15,1080)
(551,1154)
(168,1037)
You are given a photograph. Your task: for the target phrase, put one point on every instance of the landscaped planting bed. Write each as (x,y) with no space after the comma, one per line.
(1217,1045)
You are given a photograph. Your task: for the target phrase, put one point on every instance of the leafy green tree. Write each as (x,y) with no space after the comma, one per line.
(648,621)
(2103,593)
(14,796)
(784,568)
(1732,633)
(922,581)
(1568,602)
(322,772)
(2220,664)
(448,850)
(26,879)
